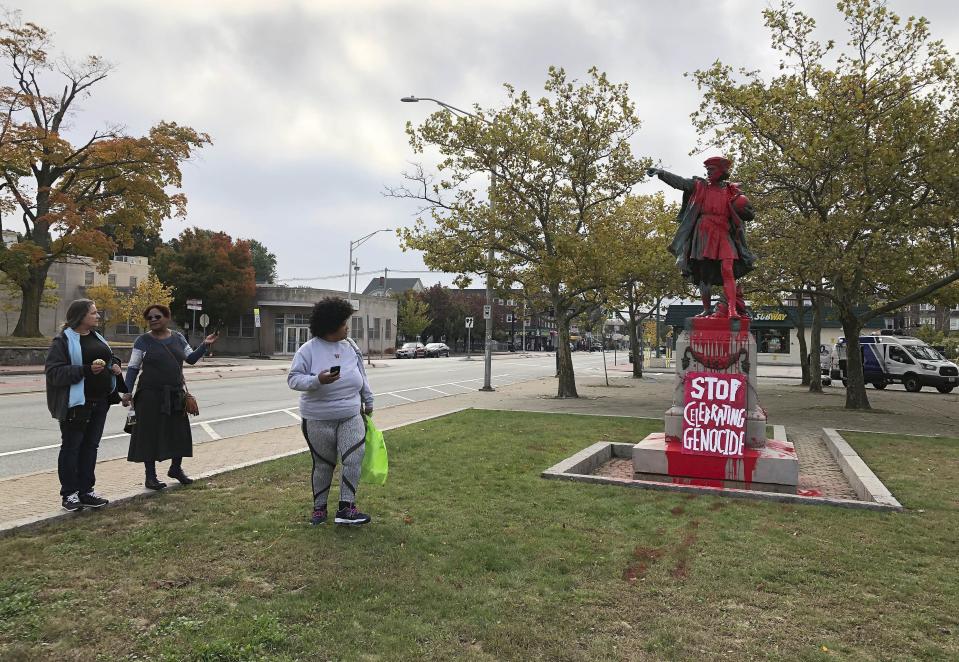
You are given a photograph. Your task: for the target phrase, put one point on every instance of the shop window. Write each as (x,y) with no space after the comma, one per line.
(133,282)
(242,327)
(389,330)
(772,341)
(376,329)
(112,280)
(357,333)
(88,278)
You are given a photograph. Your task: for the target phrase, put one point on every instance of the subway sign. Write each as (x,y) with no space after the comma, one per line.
(769,317)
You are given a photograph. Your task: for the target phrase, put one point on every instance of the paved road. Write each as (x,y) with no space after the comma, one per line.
(29,438)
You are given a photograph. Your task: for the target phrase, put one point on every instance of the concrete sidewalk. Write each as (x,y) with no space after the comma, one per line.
(35,497)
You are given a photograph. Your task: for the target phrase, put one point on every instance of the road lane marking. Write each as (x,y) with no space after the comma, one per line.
(210,431)
(400,397)
(30,450)
(293,414)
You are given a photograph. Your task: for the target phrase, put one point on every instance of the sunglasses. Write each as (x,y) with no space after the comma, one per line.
(154,317)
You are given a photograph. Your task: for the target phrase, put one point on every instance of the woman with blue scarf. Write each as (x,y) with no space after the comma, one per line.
(82,382)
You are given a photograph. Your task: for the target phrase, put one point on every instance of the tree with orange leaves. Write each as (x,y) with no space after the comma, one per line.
(211,266)
(65,192)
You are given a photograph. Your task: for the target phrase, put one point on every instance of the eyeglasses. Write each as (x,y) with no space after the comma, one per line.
(154,317)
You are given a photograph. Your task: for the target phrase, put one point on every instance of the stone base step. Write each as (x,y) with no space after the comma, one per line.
(776,463)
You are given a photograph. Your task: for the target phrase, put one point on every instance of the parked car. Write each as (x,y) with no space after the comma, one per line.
(596,347)
(411,350)
(437,349)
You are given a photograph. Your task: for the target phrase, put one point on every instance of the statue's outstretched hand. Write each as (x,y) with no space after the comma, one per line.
(652,172)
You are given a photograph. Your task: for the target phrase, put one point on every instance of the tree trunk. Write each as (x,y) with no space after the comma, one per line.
(28,326)
(635,345)
(815,340)
(801,336)
(856,397)
(564,360)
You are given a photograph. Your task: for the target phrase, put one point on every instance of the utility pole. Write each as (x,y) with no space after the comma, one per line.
(386,275)
(488,357)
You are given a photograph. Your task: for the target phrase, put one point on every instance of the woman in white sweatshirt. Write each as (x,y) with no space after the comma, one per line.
(335,394)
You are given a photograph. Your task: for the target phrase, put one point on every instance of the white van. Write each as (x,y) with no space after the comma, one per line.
(899,359)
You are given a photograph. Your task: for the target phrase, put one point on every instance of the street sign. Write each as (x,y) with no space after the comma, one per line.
(469,322)
(204,320)
(486,312)
(256,318)
(194,304)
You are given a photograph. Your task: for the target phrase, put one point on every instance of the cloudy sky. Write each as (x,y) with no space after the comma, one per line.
(301,98)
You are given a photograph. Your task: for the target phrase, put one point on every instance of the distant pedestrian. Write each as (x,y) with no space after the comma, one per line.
(328,369)
(83,378)
(162,429)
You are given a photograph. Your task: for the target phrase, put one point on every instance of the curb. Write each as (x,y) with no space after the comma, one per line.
(860,476)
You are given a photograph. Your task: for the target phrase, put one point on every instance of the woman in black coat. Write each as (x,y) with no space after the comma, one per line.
(162,430)
(83,378)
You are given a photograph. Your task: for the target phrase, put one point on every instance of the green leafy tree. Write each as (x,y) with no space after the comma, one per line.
(412,316)
(644,272)
(447,314)
(264,262)
(857,147)
(208,265)
(64,192)
(559,165)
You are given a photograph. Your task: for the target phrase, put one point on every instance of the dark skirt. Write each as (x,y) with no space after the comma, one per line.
(157,435)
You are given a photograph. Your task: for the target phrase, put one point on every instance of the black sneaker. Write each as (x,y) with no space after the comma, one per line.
(319,516)
(178,474)
(93,500)
(350,515)
(72,503)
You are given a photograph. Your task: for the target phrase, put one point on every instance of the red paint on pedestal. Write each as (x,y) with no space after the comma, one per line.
(710,466)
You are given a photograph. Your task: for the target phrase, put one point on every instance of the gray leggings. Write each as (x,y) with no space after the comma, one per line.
(327,439)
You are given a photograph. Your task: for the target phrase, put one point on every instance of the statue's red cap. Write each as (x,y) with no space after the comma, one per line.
(720,161)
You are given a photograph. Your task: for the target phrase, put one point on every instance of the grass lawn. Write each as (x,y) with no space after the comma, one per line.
(472,556)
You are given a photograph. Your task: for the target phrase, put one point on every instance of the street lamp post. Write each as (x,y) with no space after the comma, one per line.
(488,355)
(351,281)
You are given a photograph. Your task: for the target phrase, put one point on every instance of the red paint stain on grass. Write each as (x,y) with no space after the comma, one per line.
(645,557)
(809,493)
(681,569)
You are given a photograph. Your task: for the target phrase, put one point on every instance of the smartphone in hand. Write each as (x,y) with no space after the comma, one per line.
(335,370)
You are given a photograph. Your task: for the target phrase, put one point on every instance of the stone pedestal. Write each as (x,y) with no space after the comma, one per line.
(717,346)
(686,361)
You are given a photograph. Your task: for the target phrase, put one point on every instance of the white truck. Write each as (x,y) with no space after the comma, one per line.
(899,359)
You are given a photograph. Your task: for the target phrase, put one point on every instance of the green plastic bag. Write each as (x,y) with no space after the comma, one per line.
(375,462)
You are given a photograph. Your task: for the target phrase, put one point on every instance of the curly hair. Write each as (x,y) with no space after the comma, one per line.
(164,310)
(328,315)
